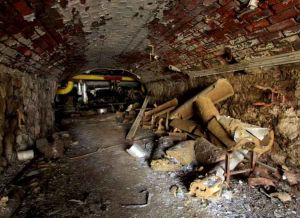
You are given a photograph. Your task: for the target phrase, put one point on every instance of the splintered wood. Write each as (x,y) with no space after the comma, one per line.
(138,120)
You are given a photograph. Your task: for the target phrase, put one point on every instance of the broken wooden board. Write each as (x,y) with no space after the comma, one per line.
(217,92)
(172,103)
(138,120)
(268,61)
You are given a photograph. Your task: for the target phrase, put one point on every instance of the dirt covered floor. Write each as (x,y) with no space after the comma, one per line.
(111,183)
(96,177)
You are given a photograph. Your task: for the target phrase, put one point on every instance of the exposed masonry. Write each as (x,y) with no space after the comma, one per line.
(59,37)
(68,35)
(197,36)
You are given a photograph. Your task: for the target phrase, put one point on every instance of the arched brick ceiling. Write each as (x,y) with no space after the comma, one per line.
(60,37)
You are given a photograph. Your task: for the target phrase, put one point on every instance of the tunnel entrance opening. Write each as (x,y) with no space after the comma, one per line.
(98,91)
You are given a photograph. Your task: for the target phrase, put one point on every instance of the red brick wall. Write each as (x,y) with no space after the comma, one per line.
(35,36)
(34,39)
(194,33)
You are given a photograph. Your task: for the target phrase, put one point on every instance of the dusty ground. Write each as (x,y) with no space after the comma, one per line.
(98,185)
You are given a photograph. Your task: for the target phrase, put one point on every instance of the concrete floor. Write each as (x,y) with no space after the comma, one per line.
(99,185)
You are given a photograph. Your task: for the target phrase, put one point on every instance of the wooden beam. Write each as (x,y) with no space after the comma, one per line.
(269,61)
(137,121)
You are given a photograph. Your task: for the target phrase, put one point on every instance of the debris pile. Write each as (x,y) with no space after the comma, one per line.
(198,139)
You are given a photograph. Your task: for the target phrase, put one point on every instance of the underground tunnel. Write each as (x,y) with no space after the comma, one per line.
(156,108)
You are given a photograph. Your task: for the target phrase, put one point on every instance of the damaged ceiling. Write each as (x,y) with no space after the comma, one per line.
(61,37)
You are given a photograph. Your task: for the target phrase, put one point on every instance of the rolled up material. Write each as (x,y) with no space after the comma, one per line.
(217,92)
(206,108)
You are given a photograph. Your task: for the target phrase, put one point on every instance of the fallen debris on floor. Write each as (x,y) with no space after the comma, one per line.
(165,164)
(206,188)
(282,196)
(195,135)
(183,152)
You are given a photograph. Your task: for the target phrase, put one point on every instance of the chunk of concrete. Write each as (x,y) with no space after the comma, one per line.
(183,152)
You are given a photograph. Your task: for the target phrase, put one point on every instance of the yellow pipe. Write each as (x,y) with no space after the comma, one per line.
(70,85)
(87,77)
(65,90)
(98,77)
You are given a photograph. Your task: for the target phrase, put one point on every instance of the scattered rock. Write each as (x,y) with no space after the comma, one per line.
(183,152)
(165,165)
(291,178)
(282,196)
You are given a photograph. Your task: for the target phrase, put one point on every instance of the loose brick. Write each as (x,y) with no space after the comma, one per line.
(291,12)
(270,36)
(285,5)
(257,25)
(282,25)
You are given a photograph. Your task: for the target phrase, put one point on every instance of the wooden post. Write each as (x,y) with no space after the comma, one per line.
(138,120)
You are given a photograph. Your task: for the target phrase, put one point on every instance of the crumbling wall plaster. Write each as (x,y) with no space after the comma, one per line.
(26,111)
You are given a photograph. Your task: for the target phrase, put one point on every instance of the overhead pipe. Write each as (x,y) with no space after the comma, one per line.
(65,90)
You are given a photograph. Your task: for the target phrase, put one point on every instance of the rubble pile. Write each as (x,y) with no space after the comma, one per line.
(212,145)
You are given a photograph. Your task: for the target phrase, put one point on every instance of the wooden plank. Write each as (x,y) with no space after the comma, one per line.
(287,58)
(138,120)
(162,107)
